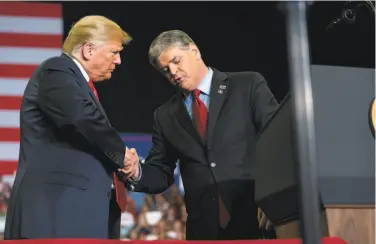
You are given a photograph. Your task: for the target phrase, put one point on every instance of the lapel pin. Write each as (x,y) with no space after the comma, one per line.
(221,88)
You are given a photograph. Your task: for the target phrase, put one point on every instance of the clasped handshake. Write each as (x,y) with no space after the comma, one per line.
(131,164)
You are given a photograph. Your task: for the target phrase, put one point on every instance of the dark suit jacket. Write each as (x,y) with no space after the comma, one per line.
(240,103)
(68,151)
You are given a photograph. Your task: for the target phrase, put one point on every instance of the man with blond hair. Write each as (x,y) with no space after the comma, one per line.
(70,155)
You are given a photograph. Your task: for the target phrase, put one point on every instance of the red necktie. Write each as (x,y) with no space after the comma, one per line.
(200,113)
(121,196)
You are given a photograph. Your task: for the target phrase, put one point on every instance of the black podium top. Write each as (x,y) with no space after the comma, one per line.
(345,144)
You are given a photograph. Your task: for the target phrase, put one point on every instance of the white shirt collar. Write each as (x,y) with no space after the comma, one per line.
(81,68)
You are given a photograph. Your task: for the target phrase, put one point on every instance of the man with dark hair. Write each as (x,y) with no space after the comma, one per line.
(210,126)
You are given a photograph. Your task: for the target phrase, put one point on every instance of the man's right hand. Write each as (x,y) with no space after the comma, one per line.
(131,164)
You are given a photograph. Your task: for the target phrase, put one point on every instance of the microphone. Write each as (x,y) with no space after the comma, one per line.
(348,15)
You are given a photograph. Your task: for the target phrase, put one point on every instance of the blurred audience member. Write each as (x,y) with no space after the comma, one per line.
(161,217)
(5,189)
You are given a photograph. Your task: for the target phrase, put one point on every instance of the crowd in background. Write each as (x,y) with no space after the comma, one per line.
(159,217)
(5,189)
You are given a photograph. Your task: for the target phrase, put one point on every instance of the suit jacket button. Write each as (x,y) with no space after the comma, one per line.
(109,194)
(213,164)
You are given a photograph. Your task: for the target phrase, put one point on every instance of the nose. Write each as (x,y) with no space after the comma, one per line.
(117,59)
(173,69)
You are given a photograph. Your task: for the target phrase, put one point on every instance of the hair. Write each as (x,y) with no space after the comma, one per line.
(168,39)
(95,29)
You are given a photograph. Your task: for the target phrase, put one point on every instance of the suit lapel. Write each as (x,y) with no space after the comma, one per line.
(101,109)
(218,93)
(82,82)
(181,113)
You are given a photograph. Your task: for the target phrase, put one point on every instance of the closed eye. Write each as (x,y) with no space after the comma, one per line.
(165,70)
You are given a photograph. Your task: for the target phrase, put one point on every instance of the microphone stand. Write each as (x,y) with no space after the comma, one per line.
(303,119)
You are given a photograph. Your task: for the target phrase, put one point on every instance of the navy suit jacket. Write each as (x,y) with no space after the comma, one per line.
(68,151)
(240,104)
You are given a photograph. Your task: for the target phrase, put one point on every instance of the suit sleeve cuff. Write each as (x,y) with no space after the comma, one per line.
(135,181)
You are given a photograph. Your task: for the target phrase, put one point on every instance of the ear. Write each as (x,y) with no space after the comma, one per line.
(87,49)
(196,52)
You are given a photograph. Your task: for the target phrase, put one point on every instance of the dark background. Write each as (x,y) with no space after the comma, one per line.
(232,36)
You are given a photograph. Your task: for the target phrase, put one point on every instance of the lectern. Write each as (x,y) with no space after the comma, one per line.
(345,148)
